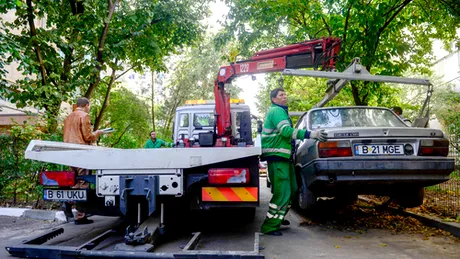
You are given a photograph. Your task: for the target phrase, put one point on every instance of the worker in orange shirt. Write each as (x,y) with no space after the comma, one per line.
(77,130)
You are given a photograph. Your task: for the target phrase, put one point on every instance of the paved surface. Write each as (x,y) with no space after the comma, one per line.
(298,241)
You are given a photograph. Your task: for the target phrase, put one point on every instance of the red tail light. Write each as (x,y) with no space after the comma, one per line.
(334,149)
(228,175)
(431,147)
(57,178)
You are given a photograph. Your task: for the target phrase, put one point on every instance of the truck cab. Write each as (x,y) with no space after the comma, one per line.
(198,116)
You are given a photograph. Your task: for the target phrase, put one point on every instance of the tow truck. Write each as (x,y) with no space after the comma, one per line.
(213,169)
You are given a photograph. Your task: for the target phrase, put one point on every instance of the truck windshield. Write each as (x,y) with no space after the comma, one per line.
(354,117)
(203,120)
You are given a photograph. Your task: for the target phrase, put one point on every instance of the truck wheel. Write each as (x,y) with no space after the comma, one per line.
(411,198)
(306,199)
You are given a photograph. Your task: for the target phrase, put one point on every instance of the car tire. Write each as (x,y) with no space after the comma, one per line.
(411,198)
(305,198)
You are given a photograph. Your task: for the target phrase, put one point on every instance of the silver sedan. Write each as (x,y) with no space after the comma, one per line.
(369,150)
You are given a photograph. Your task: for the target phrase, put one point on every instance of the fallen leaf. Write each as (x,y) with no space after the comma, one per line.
(337,246)
(383,245)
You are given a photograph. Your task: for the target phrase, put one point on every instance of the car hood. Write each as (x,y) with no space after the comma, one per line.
(359,132)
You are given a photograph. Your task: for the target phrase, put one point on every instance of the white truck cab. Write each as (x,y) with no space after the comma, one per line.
(197,116)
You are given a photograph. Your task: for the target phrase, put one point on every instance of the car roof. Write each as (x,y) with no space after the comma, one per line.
(350,107)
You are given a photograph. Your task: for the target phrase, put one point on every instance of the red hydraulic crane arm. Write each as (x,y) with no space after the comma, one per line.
(315,53)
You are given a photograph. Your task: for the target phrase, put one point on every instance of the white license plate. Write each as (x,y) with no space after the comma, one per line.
(372,150)
(64,195)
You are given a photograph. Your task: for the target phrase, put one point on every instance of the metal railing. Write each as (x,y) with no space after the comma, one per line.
(444,198)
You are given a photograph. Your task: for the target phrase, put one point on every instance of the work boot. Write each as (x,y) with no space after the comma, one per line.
(274,233)
(285,222)
(83,221)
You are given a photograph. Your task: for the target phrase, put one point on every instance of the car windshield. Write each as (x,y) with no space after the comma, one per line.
(354,117)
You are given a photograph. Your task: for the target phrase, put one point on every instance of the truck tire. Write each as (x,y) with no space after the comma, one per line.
(411,198)
(306,199)
(245,127)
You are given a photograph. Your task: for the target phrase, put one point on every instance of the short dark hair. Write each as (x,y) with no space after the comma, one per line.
(397,109)
(151,132)
(275,92)
(82,102)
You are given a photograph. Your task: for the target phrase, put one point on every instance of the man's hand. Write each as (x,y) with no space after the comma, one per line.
(320,135)
(99,132)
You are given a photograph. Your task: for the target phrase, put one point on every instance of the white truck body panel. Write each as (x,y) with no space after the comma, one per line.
(101,158)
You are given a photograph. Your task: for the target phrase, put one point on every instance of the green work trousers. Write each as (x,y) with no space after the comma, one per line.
(283,179)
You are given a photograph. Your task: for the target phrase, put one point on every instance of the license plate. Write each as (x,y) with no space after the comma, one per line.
(372,150)
(64,195)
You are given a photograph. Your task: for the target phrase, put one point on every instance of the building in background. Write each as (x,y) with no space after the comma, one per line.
(447,64)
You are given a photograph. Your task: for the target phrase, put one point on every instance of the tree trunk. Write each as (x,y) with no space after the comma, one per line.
(100,49)
(97,123)
(33,33)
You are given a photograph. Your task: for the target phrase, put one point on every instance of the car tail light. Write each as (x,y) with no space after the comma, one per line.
(434,147)
(228,175)
(57,178)
(334,149)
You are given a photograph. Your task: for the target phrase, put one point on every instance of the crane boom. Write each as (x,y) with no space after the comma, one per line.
(308,54)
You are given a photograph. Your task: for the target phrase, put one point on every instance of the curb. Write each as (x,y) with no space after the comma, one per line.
(51,215)
(451,227)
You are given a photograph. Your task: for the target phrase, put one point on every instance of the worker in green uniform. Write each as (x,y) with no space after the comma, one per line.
(278,140)
(154,142)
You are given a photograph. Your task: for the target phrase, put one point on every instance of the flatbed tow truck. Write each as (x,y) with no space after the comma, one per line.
(217,170)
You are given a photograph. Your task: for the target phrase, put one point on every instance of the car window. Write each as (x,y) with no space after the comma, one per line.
(203,120)
(184,120)
(354,117)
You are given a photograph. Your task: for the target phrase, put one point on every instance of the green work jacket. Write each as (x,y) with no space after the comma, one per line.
(278,133)
(157,144)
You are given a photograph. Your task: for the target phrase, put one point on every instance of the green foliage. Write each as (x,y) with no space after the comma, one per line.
(390,37)
(80,40)
(129,116)
(19,176)
(193,78)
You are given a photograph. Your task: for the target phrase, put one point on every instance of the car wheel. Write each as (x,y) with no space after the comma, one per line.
(412,198)
(306,199)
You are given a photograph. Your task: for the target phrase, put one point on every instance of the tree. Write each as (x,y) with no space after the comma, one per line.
(82,39)
(193,78)
(127,114)
(391,37)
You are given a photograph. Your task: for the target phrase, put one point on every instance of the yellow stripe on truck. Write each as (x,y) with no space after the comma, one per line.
(244,194)
(213,194)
